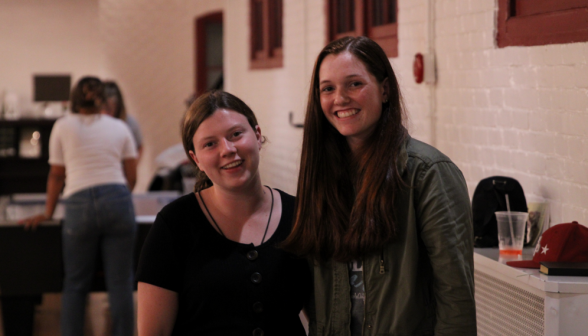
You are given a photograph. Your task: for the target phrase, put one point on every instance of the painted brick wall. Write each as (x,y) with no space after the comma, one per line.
(40,37)
(149,51)
(517,111)
(273,93)
(413,39)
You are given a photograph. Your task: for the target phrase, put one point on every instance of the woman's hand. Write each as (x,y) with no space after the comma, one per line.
(33,222)
(55,182)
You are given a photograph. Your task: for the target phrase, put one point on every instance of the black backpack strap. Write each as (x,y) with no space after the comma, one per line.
(499,198)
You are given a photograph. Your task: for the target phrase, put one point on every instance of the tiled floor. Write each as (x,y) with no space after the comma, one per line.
(97,316)
(47,316)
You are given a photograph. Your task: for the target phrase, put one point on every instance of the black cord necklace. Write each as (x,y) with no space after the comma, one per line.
(221,231)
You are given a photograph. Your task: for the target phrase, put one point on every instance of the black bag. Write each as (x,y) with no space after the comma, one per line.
(489,197)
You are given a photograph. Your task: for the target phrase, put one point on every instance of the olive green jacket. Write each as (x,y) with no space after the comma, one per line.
(423,283)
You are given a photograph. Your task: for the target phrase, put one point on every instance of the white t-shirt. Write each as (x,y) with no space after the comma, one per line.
(92,148)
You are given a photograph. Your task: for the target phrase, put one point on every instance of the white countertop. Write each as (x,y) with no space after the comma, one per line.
(18,206)
(489,260)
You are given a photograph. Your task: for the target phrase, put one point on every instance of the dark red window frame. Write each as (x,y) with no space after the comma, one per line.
(541,22)
(359,17)
(201,66)
(266,18)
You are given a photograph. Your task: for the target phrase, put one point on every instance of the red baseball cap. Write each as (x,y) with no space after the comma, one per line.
(563,242)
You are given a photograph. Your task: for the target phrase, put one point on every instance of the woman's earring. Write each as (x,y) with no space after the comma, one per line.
(385,100)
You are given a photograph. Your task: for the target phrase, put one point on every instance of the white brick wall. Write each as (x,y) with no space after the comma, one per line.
(413,38)
(149,51)
(534,100)
(516,111)
(273,93)
(43,37)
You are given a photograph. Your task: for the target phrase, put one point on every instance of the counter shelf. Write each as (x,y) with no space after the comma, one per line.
(520,301)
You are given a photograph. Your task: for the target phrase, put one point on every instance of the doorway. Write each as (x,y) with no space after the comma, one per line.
(209,53)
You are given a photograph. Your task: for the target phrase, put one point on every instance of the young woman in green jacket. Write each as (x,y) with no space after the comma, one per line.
(385,218)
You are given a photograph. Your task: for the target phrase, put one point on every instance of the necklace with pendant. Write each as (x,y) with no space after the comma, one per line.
(221,231)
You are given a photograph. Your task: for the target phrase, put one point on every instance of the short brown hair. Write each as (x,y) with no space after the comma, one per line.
(202,108)
(88,93)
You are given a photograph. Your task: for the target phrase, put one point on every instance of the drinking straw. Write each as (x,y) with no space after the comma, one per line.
(509,219)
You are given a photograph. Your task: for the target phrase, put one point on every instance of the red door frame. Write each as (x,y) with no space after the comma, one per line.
(200,43)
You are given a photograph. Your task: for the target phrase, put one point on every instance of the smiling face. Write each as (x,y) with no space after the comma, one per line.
(226,148)
(351,97)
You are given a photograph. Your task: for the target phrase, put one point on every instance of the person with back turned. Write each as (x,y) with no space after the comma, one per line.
(94,155)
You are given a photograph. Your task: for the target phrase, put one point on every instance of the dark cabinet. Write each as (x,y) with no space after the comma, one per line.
(24,152)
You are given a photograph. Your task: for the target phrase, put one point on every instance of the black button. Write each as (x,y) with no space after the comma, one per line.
(256,277)
(258,307)
(252,255)
(257,332)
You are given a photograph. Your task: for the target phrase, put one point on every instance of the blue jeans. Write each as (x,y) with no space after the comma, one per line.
(99,219)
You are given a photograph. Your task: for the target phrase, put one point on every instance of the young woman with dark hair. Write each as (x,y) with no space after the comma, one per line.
(385,217)
(114,106)
(94,156)
(210,265)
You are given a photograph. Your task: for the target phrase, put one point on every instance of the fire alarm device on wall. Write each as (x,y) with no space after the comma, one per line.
(418,68)
(423,68)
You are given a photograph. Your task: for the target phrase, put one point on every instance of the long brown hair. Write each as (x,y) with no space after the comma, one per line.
(111,90)
(344,206)
(202,108)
